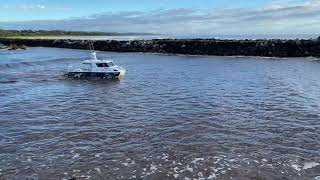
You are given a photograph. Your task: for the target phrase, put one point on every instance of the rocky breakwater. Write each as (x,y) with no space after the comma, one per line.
(3,46)
(267,48)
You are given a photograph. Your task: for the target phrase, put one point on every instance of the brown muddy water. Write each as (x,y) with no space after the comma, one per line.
(172,117)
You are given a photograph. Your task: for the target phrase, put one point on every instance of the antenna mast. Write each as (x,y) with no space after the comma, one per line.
(91,46)
(93,53)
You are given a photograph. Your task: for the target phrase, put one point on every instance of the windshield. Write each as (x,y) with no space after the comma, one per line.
(86,66)
(110,64)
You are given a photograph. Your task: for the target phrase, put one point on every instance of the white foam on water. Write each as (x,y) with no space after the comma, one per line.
(176,175)
(98,170)
(97,155)
(85,177)
(212,176)
(188,168)
(317,178)
(196,160)
(153,168)
(218,169)
(296,167)
(176,169)
(217,161)
(125,164)
(165,158)
(76,156)
(29,159)
(309,165)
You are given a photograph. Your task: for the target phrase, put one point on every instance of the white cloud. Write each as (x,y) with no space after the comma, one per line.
(285,18)
(278,4)
(30,7)
(33,7)
(40,6)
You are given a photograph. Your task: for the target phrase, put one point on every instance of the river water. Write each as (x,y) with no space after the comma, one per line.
(182,117)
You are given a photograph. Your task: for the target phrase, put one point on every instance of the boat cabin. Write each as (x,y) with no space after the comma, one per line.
(98,65)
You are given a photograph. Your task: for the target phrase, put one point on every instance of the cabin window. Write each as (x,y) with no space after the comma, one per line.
(110,64)
(102,65)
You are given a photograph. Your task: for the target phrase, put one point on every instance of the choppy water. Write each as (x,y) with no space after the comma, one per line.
(171,117)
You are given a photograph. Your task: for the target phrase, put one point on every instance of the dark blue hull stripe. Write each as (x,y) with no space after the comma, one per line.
(102,75)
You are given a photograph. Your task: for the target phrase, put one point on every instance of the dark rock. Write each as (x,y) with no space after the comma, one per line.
(13,47)
(3,46)
(269,48)
(16,47)
(23,47)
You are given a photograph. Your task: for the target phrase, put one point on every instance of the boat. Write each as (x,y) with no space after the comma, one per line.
(95,68)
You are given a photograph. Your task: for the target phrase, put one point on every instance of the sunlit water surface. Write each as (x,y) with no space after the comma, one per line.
(171,117)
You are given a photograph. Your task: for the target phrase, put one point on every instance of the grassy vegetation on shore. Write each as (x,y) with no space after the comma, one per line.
(57,33)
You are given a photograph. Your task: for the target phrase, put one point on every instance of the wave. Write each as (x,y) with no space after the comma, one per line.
(35,63)
(8,81)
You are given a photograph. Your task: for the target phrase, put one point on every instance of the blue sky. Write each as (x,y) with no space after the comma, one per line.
(23,10)
(171,16)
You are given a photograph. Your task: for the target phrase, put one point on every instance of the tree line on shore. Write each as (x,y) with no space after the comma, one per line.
(25,33)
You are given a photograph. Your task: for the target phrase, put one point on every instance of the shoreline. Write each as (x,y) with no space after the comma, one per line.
(255,48)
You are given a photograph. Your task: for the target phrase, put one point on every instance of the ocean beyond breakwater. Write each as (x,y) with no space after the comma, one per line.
(262,47)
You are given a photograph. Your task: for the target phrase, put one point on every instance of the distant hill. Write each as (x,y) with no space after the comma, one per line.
(17,33)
